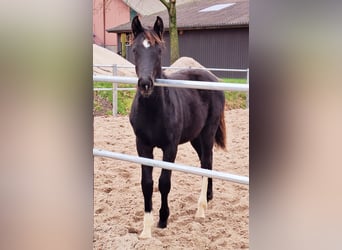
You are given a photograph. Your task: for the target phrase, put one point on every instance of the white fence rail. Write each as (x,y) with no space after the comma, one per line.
(168,82)
(176,83)
(172,166)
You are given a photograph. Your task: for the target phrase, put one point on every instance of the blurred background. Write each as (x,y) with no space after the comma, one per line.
(46,124)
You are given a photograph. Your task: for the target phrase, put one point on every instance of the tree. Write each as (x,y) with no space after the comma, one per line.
(174,48)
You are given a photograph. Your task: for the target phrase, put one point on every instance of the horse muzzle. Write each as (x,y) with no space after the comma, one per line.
(145,86)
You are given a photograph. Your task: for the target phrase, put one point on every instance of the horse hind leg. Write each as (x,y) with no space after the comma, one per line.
(196,144)
(210,189)
(202,200)
(206,141)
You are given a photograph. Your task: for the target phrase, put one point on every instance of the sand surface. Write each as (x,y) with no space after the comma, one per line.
(102,56)
(118,200)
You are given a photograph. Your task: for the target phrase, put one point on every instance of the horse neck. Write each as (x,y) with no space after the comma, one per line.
(159,92)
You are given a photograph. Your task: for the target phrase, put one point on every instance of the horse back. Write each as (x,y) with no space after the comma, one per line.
(199,107)
(193,75)
(208,97)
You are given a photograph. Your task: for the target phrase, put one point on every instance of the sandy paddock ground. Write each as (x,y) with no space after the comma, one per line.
(118,199)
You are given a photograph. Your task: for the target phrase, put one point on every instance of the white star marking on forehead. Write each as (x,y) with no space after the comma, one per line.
(146,43)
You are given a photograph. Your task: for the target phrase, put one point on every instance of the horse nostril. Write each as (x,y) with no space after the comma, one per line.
(145,83)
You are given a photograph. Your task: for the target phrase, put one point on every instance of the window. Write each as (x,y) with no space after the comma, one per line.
(217,7)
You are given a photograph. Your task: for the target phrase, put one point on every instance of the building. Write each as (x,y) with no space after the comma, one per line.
(110,13)
(106,14)
(215,33)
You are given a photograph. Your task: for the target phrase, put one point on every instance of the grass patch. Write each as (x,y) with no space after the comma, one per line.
(235,99)
(103,99)
(234,80)
(125,99)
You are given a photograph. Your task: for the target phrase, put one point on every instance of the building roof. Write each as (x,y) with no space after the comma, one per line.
(148,7)
(224,13)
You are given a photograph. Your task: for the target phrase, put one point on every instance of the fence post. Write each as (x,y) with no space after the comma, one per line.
(247,97)
(115,91)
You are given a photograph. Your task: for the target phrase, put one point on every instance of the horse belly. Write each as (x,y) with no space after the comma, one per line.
(192,130)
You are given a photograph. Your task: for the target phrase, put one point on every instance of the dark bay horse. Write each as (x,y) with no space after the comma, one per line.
(166,117)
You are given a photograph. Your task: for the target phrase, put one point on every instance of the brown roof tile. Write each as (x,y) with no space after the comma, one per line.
(190,17)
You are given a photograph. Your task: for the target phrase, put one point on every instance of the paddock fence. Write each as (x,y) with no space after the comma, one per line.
(116,81)
(167,165)
(172,166)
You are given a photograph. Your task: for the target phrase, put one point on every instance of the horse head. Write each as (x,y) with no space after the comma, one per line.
(147,49)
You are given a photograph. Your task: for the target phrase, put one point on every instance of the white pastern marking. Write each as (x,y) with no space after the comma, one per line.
(202,201)
(148,223)
(146,43)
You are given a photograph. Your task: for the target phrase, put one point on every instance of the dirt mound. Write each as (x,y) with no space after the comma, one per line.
(184,62)
(187,62)
(104,56)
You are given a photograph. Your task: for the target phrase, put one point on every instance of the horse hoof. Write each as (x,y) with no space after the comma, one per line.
(202,207)
(200,214)
(145,235)
(162,224)
(148,222)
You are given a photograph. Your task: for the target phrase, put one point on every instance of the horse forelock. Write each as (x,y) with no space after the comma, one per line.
(152,37)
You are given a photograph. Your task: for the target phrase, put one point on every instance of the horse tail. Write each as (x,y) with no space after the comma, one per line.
(220,136)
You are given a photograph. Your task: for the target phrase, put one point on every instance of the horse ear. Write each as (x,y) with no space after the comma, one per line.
(159,27)
(136,26)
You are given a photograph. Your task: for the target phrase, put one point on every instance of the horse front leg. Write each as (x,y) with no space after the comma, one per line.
(147,189)
(169,155)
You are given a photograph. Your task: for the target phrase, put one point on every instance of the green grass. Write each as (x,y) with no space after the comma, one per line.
(104,94)
(235,99)
(125,98)
(234,80)
(104,100)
